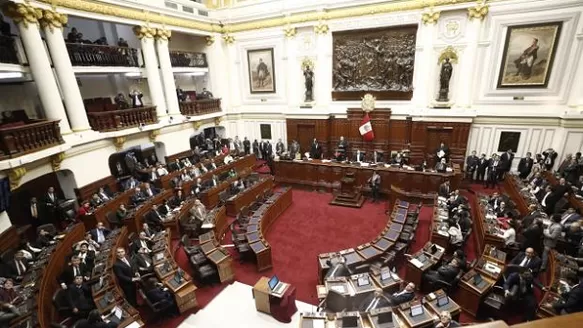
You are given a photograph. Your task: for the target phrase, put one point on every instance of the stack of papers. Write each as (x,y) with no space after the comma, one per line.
(417,263)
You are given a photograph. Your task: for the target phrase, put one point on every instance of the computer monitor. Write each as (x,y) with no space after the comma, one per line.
(477,279)
(363,281)
(422,258)
(385,274)
(273,282)
(335,301)
(442,300)
(350,321)
(416,310)
(385,317)
(433,249)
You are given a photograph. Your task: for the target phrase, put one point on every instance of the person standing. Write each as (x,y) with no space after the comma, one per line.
(279,148)
(551,235)
(127,275)
(247,146)
(505,163)
(315,150)
(525,166)
(375,184)
(482,166)
(256,148)
(471,165)
(493,169)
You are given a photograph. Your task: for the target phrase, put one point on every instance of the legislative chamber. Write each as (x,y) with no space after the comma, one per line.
(278,163)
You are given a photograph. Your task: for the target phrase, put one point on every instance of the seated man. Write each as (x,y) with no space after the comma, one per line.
(104,195)
(74,269)
(527,260)
(519,287)
(446,273)
(571,301)
(156,293)
(99,233)
(338,267)
(142,242)
(143,261)
(122,212)
(79,298)
(95,201)
(17,267)
(404,296)
(376,300)
(239,185)
(149,191)
(161,170)
(445,321)
(154,218)
(138,197)
(7,313)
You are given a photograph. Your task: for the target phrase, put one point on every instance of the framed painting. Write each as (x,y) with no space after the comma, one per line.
(261,70)
(529,52)
(265,130)
(509,140)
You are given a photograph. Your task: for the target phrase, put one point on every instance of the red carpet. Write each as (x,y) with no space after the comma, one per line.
(307,228)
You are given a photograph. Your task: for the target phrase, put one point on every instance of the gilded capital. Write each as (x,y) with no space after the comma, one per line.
(430,17)
(53,20)
(480,11)
(218,120)
(153,134)
(289,32)
(22,13)
(196,125)
(15,175)
(56,161)
(210,40)
(163,34)
(119,142)
(321,28)
(144,32)
(229,39)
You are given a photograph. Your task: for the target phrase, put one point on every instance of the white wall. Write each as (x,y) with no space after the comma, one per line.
(187,42)
(93,30)
(192,83)
(21,96)
(97,86)
(4,221)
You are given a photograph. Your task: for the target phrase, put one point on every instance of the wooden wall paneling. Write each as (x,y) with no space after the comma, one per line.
(9,239)
(398,135)
(85,192)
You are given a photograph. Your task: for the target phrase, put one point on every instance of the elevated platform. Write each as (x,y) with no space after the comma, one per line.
(354,199)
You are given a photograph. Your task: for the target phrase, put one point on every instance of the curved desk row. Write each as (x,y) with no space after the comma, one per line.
(317,173)
(513,186)
(166,180)
(481,228)
(386,242)
(210,241)
(260,223)
(249,195)
(211,196)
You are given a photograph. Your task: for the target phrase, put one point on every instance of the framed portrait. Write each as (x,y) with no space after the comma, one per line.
(508,140)
(529,52)
(261,70)
(265,130)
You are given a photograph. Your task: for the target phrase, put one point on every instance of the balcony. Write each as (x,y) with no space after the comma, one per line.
(188,59)
(115,120)
(200,107)
(21,138)
(8,53)
(102,55)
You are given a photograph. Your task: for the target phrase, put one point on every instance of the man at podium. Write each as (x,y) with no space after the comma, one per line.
(442,152)
(341,149)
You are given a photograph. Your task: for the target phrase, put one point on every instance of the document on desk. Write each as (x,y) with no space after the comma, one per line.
(134,324)
(318,323)
(339,288)
(417,263)
(207,225)
(490,267)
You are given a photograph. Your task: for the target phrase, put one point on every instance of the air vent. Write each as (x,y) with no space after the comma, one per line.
(187,9)
(203,13)
(169,4)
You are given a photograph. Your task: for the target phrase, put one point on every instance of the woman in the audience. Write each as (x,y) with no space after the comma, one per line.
(509,235)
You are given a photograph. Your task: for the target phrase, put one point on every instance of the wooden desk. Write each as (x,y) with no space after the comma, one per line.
(481,230)
(248,196)
(414,273)
(261,293)
(224,263)
(468,295)
(512,188)
(389,285)
(452,307)
(314,172)
(210,196)
(423,320)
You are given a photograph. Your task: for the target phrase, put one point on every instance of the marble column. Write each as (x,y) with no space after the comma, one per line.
(576,96)
(465,90)
(27,19)
(166,72)
(323,67)
(146,35)
(218,70)
(424,86)
(52,24)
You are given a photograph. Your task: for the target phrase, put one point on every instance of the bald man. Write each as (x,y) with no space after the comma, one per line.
(527,259)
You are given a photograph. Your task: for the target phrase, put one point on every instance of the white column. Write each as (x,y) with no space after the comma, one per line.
(218,71)
(166,72)
(295,86)
(464,92)
(146,36)
(74,106)
(424,85)
(323,70)
(576,95)
(40,65)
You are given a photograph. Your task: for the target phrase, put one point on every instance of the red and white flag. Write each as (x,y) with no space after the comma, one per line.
(365,128)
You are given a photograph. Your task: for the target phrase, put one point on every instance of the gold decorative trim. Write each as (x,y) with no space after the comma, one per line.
(119,142)
(450,53)
(321,28)
(300,18)
(430,17)
(163,34)
(210,40)
(153,134)
(290,32)
(22,13)
(218,120)
(144,32)
(480,11)
(53,20)
(196,125)
(307,62)
(15,175)
(56,161)
(229,39)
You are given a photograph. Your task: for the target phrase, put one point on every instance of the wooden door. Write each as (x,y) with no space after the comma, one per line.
(306,133)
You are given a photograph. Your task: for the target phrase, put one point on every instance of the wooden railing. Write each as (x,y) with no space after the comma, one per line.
(8,52)
(122,119)
(100,55)
(200,107)
(188,59)
(28,138)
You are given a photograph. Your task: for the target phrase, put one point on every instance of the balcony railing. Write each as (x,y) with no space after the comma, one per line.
(122,119)
(188,59)
(200,107)
(101,55)
(18,140)
(8,52)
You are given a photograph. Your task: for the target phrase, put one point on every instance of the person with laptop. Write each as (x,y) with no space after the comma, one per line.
(404,296)
(445,321)
(376,300)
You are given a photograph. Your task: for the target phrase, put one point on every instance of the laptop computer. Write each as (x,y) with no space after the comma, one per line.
(442,300)
(350,321)
(416,310)
(363,281)
(277,287)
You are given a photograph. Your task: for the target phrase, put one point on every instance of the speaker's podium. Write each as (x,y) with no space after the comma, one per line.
(349,195)
(277,301)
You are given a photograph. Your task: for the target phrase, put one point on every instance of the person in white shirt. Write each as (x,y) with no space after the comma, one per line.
(103,195)
(509,234)
(203,168)
(185,176)
(228,159)
(548,192)
(161,170)
(455,235)
(195,172)
(186,162)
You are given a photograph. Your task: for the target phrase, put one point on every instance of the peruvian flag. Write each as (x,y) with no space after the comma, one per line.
(365,128)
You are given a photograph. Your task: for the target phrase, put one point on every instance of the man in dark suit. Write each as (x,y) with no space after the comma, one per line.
(74,269)
(99,233)
(315,150)
(571,216)
(131,183)
(154,218)
(143,261)
(532,236)
(571,301)
(505,163)
(558,191)
(528,260)
(494,168)
(149,191)
(403,296)
(51,202)
(338,267)
(138,196)
(127,275)
(247,146)
(525,166)
(533,213)
(376,300)
(175,166)
(444,189)
(36,218)
(549,157)
(142,242)
(442,152)
(279,148)
(446,273)
(17,267)
(482,166)
(519,287)
(86,256)
(471,165)
(79,298)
